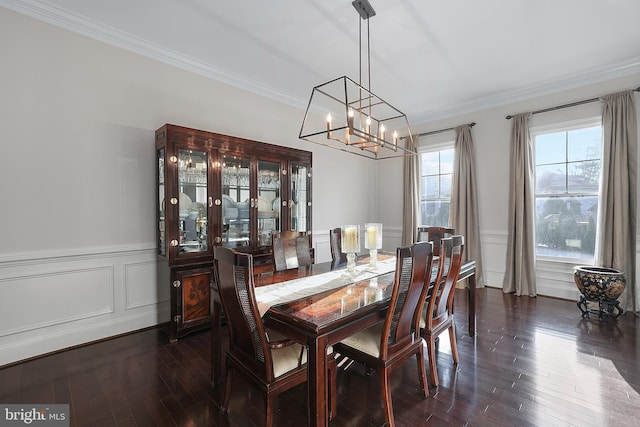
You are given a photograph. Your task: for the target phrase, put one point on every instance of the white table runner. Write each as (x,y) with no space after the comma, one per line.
(291,290)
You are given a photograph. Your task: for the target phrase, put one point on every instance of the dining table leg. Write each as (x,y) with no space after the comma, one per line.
(472,303)
(317,380)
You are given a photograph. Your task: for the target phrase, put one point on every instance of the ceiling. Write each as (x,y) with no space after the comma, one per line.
(431,59)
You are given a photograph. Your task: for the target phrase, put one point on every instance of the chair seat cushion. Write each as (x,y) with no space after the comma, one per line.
(288,358)
(366,340)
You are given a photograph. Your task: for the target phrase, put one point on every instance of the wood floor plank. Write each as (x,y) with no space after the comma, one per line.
(534,362)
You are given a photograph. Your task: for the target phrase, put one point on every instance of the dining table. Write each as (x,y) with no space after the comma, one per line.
(319,305)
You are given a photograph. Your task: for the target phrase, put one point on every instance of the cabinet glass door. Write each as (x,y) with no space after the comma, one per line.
(268,202)
(192,201)
(236,210)
(300,198)
(162,242)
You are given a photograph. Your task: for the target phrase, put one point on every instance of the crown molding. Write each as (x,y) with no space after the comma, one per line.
(63,18)
(585,78)
(44,11)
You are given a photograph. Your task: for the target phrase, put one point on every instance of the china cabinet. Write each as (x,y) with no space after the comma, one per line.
(215,190)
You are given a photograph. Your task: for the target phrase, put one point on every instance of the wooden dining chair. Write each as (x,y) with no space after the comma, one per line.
(263,355)
(387,344)
(291,249)
(434,234)
(438,313)
(335,240)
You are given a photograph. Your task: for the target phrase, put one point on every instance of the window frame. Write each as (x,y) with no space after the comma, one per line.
(444,144)
(555,127)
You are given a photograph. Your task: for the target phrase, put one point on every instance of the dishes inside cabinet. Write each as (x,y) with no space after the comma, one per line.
(264,204)
(266,214)
(227,202)
(184,202)
(231,213)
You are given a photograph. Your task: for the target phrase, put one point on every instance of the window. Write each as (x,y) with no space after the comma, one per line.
(436,172)
(568,163)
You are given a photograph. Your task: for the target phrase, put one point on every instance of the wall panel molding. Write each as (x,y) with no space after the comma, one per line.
(71,298)
(135,295)
(41,300)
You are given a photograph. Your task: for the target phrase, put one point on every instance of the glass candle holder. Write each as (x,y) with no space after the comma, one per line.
(373,241)
(350,244)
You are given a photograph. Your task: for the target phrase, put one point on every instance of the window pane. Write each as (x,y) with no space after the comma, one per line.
(584,144)
(446,161)
(430,163)
(584,177)
(436,177)
(551,179)
(430,187)
(550,148)
(435,213)
(566,226)
(445,186)
(567,185)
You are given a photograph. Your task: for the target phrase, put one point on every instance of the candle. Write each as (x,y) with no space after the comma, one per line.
(329,126)
(367,128)
(381,134)
(350,239)
(372,237)
(350,121)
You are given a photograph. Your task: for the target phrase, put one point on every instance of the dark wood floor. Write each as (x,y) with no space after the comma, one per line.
(534,362)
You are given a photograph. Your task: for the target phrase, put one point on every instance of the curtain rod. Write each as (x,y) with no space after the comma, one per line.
(573,104)
(433,132)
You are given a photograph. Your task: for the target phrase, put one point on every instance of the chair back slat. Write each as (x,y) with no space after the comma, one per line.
(335,241)
(450,262)
(233,274)
(413,268)
(454,255)
(291,249)
(434,234)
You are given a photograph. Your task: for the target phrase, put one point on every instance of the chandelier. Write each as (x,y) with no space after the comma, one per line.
(344,115)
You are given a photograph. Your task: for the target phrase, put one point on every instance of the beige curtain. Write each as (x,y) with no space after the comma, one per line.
(464,198)
(616,246)
(520,275)
(410,199)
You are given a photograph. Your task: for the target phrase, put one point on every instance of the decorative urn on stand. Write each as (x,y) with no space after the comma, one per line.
(599,285)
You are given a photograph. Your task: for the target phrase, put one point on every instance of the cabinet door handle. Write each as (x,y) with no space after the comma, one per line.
(210,202)
(176,283)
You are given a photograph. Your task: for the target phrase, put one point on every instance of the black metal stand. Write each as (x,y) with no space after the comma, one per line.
(606,308)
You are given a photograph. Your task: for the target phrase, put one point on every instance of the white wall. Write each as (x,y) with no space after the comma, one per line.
(77,169)
(491,137)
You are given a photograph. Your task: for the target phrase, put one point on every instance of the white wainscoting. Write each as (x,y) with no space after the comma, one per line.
(553,278)
(51,301)
(321,246)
